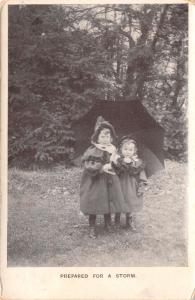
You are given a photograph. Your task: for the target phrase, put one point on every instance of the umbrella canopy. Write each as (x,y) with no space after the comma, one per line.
(127,117)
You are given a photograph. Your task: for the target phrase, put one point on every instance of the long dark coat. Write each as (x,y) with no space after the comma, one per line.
(100,192)
(130,175)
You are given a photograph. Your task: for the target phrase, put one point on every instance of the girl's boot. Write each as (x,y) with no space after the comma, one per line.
(117,220)
(92,227)
(130,223)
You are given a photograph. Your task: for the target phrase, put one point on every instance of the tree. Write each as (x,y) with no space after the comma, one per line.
(64,57)
(52,80)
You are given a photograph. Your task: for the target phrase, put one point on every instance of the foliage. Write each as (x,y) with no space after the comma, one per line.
(62,58)
(167,81)
(51,82)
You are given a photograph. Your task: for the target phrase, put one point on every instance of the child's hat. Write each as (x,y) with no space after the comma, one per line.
(127,138)
(101,123)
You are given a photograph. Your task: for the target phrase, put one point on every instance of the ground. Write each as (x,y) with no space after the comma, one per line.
(45,227)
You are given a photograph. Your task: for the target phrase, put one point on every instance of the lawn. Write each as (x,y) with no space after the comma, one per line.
(45,227)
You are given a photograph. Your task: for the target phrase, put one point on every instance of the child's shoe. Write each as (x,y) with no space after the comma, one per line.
(92,233)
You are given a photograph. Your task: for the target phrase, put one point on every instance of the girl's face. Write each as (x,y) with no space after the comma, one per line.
(104,137)
(128,149)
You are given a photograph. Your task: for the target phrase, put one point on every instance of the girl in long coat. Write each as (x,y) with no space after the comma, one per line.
(130,169)
(100,189)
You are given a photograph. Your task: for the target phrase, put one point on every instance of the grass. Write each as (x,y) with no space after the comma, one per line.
(45,227)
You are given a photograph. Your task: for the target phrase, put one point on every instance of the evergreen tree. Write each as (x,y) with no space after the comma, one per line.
(62,58)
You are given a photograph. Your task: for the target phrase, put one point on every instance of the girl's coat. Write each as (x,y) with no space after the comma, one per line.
(100,192)
(130,175)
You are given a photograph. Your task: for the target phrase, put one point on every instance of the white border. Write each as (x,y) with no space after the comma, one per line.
(171,283)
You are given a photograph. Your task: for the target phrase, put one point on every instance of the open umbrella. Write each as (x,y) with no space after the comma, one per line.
(127,117)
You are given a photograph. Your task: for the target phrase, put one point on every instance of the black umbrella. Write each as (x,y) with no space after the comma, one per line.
(127,117)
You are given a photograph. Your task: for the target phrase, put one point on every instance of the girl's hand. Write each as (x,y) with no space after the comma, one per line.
(141,188)
(114,157)
(127,160)
(107,168)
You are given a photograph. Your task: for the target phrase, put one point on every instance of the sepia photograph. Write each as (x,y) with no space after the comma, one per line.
(97,135)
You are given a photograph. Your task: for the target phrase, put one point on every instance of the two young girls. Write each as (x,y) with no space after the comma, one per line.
(111,178)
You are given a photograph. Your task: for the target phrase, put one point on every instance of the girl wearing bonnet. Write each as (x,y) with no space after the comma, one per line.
(100,189)
(130,169)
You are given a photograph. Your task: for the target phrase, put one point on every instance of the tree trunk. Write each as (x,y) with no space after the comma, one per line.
(140,58)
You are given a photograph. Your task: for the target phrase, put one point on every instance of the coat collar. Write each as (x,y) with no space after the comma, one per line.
(108,148)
